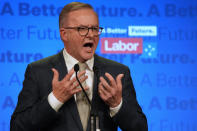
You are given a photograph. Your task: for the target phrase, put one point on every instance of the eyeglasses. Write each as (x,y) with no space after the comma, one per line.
(83,31)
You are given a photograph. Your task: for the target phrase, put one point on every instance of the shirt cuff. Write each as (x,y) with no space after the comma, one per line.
(114,110)
(54,102)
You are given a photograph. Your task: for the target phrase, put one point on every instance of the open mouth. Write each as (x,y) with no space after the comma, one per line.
(88,45)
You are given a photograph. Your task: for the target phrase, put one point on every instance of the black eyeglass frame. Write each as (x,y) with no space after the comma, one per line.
(78,28)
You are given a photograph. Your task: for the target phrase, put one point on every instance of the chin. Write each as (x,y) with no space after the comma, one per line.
(87,57)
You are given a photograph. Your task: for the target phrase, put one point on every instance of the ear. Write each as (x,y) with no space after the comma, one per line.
(63,34)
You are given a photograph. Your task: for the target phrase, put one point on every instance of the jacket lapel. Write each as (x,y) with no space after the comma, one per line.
(97,74)
(70,104)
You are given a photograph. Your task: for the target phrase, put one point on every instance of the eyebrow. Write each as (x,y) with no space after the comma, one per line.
(89,26)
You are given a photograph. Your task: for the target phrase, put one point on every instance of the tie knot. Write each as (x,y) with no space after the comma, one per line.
(82,66)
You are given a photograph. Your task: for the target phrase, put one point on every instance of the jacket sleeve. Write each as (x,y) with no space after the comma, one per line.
(32,111)
(130,116)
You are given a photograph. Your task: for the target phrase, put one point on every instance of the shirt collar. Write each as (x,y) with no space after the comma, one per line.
(71,61)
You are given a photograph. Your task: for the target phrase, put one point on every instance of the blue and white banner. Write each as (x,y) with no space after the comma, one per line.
(156,39)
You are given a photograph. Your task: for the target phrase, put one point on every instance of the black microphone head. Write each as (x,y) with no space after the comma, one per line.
(95,69)
(76,67)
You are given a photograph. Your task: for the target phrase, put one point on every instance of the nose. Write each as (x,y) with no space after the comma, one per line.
(90,33)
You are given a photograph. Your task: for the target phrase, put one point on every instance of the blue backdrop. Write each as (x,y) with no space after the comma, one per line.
(164,73)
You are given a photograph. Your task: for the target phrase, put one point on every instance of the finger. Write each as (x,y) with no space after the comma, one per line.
(118,80)
(100,91)
(79,75)
(76,83)
(105,96)
(76,90)
(111,80)
(105,84)
(103,92)
(69,75)
(83,78)
(55,75)
(86,88)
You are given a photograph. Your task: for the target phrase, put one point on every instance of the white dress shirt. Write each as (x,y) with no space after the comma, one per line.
(70,62)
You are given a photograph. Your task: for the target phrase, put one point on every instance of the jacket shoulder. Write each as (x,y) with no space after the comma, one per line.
(111,63)
(48,61)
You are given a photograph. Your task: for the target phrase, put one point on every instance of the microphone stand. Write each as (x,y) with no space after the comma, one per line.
(95,115)
(94,119)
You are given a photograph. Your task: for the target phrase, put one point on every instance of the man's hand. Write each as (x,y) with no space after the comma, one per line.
(63,90)
(111,92)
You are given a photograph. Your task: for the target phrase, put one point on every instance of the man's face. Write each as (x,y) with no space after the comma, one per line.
(80,47)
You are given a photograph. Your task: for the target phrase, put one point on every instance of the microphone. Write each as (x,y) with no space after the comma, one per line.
(96,70)
(76,69)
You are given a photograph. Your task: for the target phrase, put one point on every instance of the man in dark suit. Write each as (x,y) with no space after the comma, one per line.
(49,100)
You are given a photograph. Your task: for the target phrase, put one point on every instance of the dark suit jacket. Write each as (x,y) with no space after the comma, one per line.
(33,112)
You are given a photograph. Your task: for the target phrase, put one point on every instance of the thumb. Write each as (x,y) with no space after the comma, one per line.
(118,80)
(55,75)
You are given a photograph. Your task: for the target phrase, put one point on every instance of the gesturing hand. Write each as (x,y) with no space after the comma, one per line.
(111,92)
(64,89)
